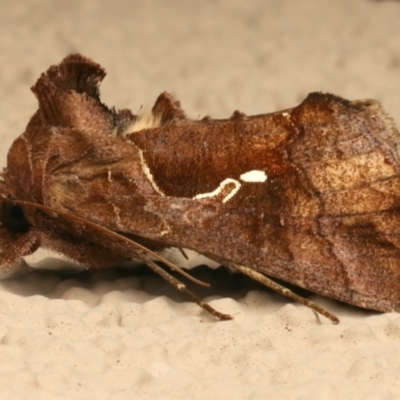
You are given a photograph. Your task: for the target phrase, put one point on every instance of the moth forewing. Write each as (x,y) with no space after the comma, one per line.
(308,195)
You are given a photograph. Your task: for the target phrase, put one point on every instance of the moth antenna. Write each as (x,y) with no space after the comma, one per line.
(251,273)
(142,249)
(145,254)
(183,289)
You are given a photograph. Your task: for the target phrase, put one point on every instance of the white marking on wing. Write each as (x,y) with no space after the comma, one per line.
(286,115)
(148,174)
(115,208)
(254,176)
(167,229)
(116,211)
(219,189)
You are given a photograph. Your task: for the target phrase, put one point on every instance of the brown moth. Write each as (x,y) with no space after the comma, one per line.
(309,195)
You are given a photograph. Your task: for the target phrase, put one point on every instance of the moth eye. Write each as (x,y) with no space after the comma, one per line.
(13,218)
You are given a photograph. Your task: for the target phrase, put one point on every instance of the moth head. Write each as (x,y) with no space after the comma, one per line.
(17,236)
(69,105)
(16,220)
(13,218)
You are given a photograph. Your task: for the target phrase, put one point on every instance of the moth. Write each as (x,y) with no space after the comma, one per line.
(309,195)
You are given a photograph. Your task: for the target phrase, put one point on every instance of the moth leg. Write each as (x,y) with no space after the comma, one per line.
(182,251)
(284,291)
(183,289)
